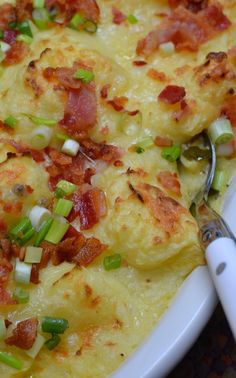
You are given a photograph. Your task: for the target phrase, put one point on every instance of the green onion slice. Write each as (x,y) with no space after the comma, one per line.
(41,137)
(77,20)
(24,38)
(90,26)
(53,342)
(41,18)
(220,180)
(27,236)
(43,232)
(139,150)
(21,295)
(84,75)
(24,28)
(146,142)
(12,24)
(1,34)
(11,361)
(171,153)
(67,187)
(21,227)
(57,231)
(61,136)
(54,325)
(220,131)
(63,207)
(38,3)
(22,272)
(33,255)
(3,328)
(132,19)
(112,262)
(59,193)
(11,121)
(39,342)
(40,120)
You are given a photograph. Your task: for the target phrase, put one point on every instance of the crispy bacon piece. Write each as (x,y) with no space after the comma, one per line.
(104,90)
(156,75)
(88,253)
(24,334)
(139,63)
(106,152)
(229,109)
(88,8)
(89,205)
(118,103)
(6,298)
(172,94)
(34,277)
(7,15)
(16,53)
(192,5)
(118,16)
(165,209)
(169,181)
(163,141)
(5,270)
(24,9)
(185,29)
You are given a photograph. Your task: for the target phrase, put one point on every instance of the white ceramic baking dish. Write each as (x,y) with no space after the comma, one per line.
(180,326)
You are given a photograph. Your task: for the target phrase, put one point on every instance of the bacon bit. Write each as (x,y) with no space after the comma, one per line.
(29,189)
(163,141)
(229,110)
(88,290)
(16,53)
(165,209)
(139,63)
(90,206)
(6,298)
(118,16)
(104,90)
(106,152)
(169,181)
(34,277)
(5,270)
(118,163)
(7,323)
(6,247)
(24,335)
(192,5)
(172,94)
(10,36)
(10,207)
(24,9)
(89,252)
(78,352)
(118,103)
(185,29)
(88,174)
(156,75)
(7,15)
(59,158)
(68,248)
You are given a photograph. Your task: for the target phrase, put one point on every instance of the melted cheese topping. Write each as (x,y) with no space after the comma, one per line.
(122,306)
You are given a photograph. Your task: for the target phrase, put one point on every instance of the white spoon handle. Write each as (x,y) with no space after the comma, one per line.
(221,259)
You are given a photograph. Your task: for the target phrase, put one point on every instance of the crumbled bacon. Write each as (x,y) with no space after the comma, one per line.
(139,63)
(118,103)
(24,9)
(192,5)
(5,270)
(104,90)
(118,16)
(89,205)
(34,277)
(6,298)
(156,75)
(163,141)
(16,53)
(89,252)
(229,109)
(169,181)
(165,209)
(7,15)
(172,94)
(24,335)
(106,152)
(185,29)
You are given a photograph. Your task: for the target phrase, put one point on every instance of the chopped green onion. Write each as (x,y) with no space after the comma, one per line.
(63,207)
(40,121)
(3,328)
(24,38)
(33,255)
(67,187)
(4,47)
(59,193)
(146,143)
(171,153)
(21,228)
(21,295)
(11,121)
(22,272)
(132,19)
(24,28)
(27,236)
(77,20)
(84,75)
(53,342)
(41,18)
(39,342)
(38,215)
(90,26)
(139,150)
(41,137)
(61,136)
(1,34)
(12,24)
(112,262)
(38,3)
(220,180)
(70,147)
(220,131)
(57,231)
(11,361)
(167,48)
(43,232)
(54,325)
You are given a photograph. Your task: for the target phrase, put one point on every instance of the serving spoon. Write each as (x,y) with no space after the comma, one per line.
(218,242)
